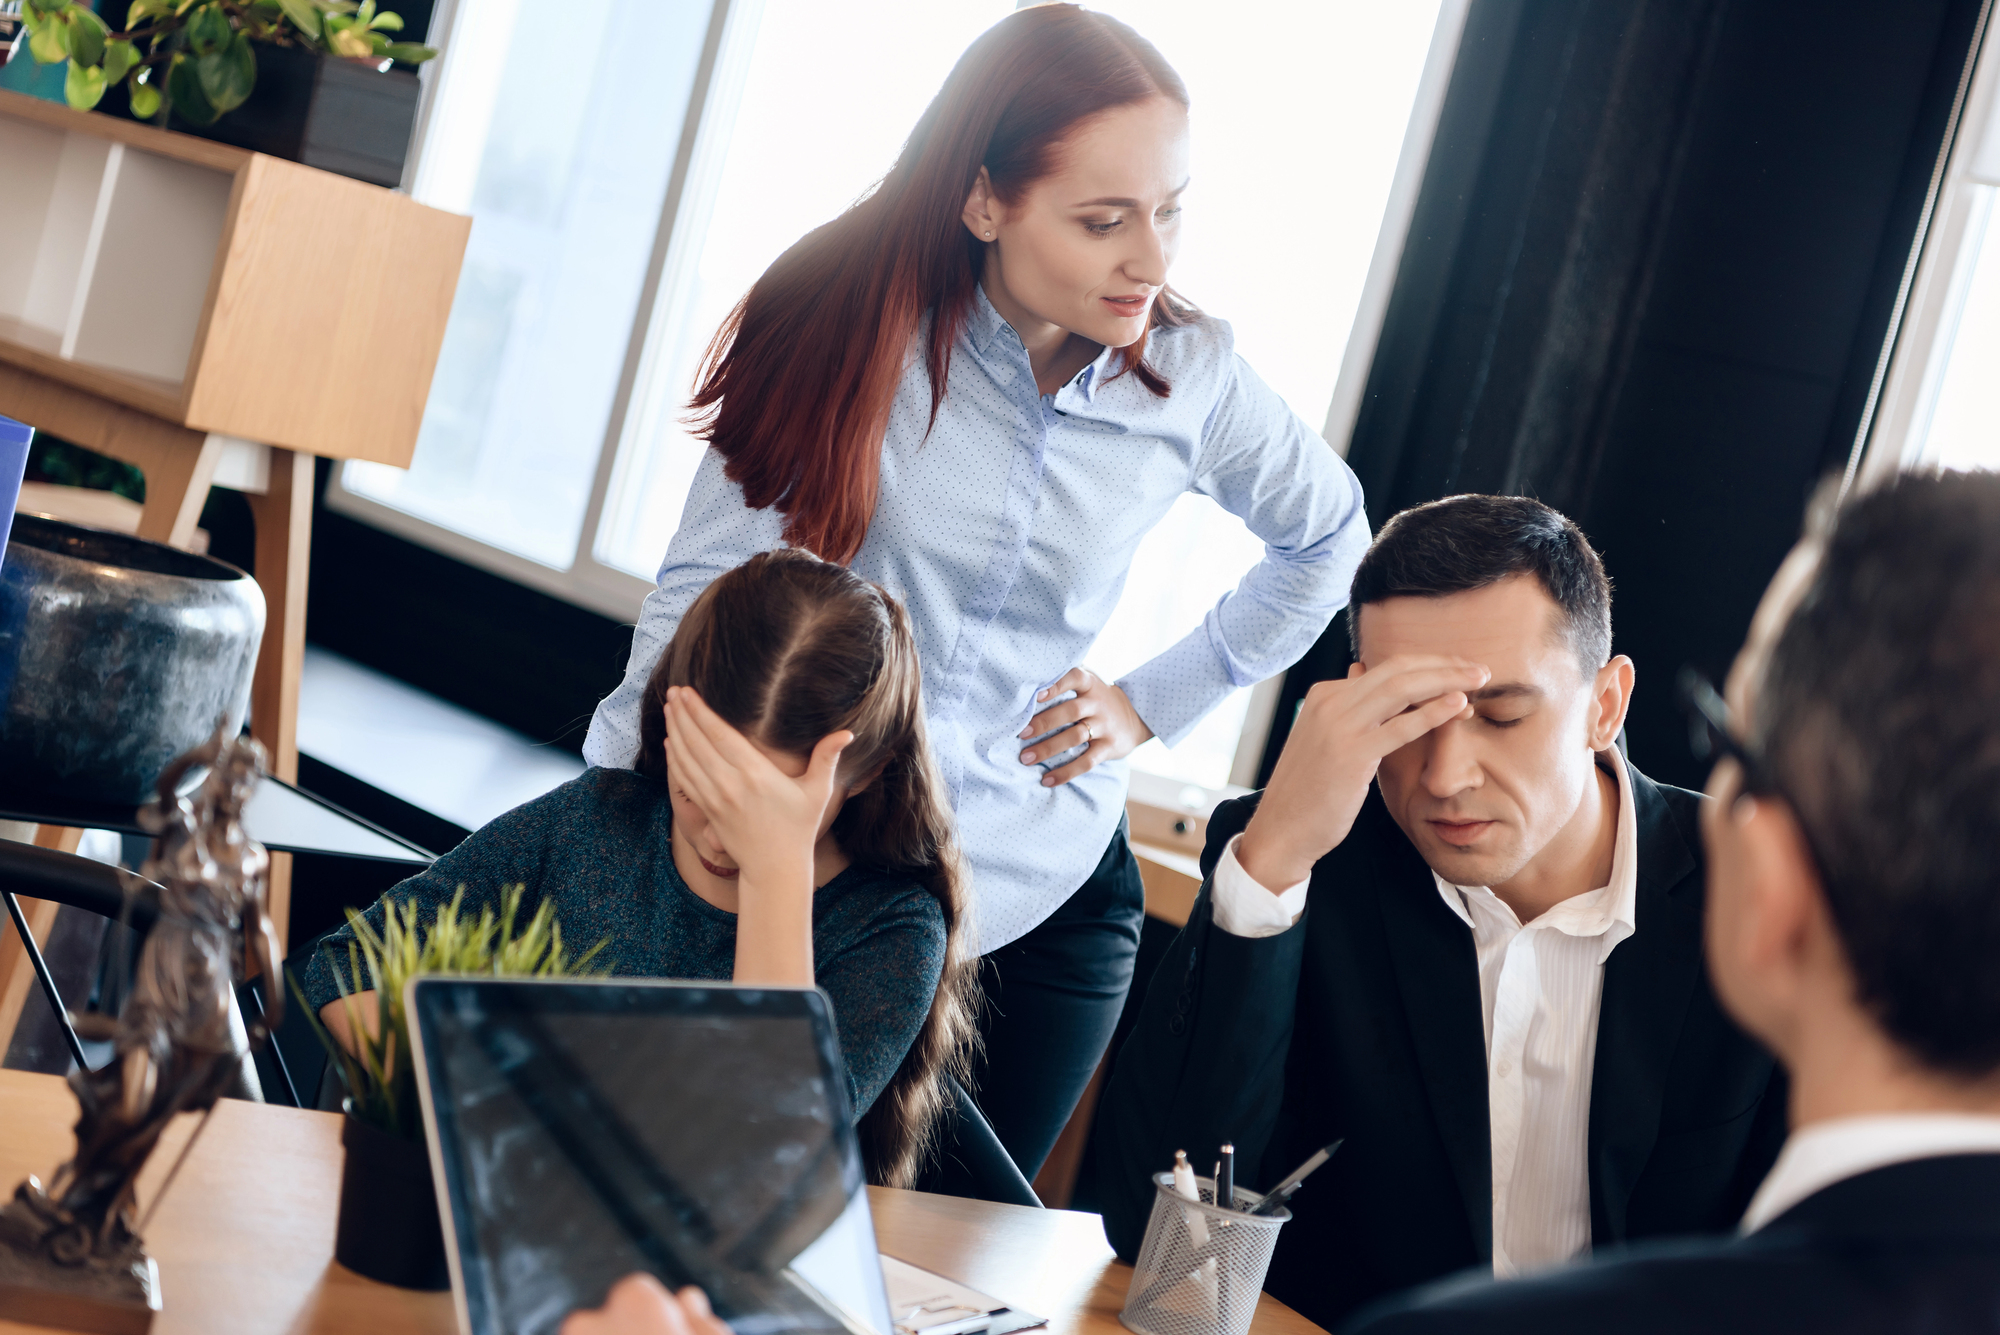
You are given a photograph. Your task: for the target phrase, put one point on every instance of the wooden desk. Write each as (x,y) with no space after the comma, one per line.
(245,1240)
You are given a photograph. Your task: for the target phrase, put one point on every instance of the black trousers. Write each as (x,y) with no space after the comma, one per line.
(1052,1000)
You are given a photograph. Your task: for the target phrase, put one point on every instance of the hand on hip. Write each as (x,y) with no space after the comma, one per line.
(1098,717)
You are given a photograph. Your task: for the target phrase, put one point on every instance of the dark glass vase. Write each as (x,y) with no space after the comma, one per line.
(389,1228)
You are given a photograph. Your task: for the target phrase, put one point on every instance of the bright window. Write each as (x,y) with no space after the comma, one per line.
(1964,426)
(1940,403)
(552,448)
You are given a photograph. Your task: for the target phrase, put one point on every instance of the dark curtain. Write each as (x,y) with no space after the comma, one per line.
(1652,267)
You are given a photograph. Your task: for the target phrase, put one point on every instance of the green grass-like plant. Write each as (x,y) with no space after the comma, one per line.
(378,1075)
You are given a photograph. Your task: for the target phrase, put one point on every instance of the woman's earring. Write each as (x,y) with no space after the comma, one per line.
(989,236)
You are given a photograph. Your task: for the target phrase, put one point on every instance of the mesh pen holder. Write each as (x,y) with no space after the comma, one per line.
(1201,1268)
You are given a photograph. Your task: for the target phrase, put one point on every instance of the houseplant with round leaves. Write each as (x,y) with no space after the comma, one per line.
(196,59)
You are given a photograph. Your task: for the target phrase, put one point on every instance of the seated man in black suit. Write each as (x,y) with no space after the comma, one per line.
(1854,925)
(1459,931)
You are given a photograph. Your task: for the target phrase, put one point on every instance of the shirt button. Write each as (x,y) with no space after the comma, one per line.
(1506,1068)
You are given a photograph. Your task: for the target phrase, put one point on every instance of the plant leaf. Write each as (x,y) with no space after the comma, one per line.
(348,40)
(86,42)
(228,75)
(408,52)
(83,86)
(303,15)
(145,99)
(209,31)
(119,58)
(191,104)
(87,35)
(48,41)
(387,22)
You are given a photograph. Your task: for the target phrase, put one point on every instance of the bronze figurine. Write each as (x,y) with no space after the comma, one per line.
(73,1250)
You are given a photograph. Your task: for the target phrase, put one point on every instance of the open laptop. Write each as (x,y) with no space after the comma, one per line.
(582,1130)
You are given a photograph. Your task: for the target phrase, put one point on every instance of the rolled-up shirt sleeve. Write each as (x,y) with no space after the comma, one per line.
(1243,906)
(1275,473)
(718,532)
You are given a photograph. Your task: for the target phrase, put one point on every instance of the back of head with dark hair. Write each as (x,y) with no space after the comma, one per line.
(1879,711)
(788,648)
(1462,543)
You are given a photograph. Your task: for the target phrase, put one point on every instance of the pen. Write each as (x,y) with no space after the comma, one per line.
(1276,1197)
(1225,1178)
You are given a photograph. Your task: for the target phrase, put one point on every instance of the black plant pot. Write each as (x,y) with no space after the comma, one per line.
(389,1227)
(339,115)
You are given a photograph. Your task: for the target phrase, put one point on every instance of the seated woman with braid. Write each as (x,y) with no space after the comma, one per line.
(785,826)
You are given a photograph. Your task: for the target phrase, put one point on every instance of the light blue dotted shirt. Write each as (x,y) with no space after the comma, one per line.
(1008,532)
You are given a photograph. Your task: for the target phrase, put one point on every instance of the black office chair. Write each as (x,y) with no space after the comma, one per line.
(971,1161)
(65,878)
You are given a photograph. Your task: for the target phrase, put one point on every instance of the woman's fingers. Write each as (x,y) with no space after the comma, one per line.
(727,741)
(686,770)
(1074,734)
(1076,679)
(698,742)
(1057,716)
(824,767)
(1083,764)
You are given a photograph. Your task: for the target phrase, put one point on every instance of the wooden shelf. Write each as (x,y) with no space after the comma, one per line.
(220,290)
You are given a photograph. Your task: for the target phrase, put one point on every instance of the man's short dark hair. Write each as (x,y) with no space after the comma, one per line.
(1463,543)
(1879,713)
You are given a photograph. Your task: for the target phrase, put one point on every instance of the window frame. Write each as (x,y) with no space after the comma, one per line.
(728,43)
(1896,423)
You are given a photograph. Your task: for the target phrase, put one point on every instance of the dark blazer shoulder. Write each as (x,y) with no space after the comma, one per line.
(1668,821)
(1225,823)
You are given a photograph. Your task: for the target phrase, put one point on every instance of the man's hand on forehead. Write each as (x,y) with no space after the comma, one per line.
(1419,679)
(1343,731)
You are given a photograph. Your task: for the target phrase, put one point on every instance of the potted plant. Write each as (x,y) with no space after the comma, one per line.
(389,1225)
(309,80)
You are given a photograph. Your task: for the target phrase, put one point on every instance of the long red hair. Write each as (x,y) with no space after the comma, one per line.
(796,386)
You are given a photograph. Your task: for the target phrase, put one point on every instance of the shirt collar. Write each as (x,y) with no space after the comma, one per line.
(985,327)
(1819,1155)
(1611,911)
(983,324)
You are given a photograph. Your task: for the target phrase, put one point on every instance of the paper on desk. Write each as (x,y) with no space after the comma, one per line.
(924,1303)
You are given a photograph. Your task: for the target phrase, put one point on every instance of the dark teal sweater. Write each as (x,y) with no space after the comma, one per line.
(598,845)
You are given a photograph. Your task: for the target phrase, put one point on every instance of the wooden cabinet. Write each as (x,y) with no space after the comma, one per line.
(218,289)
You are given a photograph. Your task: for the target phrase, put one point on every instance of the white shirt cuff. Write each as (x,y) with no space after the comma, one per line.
(1243,907)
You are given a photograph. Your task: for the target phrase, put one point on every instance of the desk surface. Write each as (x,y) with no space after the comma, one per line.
(245,1239)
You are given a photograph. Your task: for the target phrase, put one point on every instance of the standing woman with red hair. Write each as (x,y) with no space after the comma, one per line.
(976,389)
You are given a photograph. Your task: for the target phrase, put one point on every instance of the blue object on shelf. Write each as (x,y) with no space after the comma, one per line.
(24,74)
(14,438)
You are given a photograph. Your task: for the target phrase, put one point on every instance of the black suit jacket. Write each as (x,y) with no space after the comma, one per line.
(1364,1021)
(1912,1248)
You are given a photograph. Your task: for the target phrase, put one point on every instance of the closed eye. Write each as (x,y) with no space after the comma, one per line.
(1504,722)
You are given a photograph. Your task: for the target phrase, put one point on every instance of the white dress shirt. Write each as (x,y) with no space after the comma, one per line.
(1540,984)
(1824,1153)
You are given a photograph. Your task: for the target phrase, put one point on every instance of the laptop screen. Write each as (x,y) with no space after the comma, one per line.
(585,1130)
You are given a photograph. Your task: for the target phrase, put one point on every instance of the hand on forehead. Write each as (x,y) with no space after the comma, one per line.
(1512,627)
